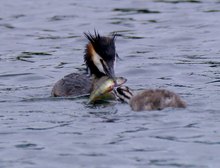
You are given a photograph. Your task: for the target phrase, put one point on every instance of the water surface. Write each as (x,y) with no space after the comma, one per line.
(161,43)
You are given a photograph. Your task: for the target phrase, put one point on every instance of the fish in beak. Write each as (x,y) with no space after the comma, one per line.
(105,87)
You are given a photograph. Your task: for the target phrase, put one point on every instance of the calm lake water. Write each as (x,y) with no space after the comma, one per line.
(162,44)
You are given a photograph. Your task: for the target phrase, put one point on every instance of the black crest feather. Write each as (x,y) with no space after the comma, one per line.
(93,38)
(104,47)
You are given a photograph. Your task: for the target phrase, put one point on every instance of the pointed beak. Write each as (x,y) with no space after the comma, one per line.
(109,69)
(110,72)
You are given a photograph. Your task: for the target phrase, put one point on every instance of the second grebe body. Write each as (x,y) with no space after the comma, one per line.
(149,99)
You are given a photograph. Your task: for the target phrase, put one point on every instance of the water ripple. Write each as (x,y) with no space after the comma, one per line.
(15,74)
(172,163)
(26,145)
(134,10)
(172,44)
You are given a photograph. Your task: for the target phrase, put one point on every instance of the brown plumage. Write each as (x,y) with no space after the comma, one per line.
(157,99)
(149,99)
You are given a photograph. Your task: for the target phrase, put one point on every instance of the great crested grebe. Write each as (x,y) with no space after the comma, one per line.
(149,99)
(99,57)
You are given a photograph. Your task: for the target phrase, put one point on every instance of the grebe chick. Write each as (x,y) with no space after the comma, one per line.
(149,99)
(100,56)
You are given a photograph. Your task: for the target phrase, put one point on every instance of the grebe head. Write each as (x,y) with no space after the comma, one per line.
(100,55)
(123,93)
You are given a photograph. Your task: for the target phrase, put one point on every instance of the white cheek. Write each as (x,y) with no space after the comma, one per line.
(96,59)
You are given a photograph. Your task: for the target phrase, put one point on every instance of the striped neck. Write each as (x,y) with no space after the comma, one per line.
(123,93)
